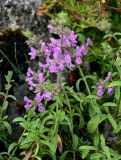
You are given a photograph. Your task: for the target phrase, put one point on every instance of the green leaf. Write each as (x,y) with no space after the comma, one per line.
(9,76)
(7,126)
(112,121)
(11,96)
(87,148)
(96,140)
(94,122)
(114,84)
(102,142)
(109,104)
(11,147)
(96,156)
(117,93)
(19,119)
(85,153)
(50,145)
(64,154)
(5,105)
(107,152)
(75,141)
(118,61)
(78,84)
(92,97)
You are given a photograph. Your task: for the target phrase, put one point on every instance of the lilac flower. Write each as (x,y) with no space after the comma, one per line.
(41,108)
(47,95)
(38,97)
(78,60)
(61,67)
(28,102)
(29,72)
(30,83)
(89,42)
(110,90)
(84,49)
(100,91)
(50,27)
(73,38)
(41,77)
(53,68)
(33,53)
(65,41)
(108,76)
(78,51)
(56,53)
(67,58)
(47,51)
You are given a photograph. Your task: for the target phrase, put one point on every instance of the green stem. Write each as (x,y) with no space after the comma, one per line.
(84,79)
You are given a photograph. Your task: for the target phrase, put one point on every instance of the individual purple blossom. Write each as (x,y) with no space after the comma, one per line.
(53,68)
(38,97)
(56,53)
(50,27)
(41,77)
(65,41)
(110,90)
(28,102)
(47,51)
(78,60)
(89,42)
(61,67)
(67,58)
(100,91)
(47,95)
(108,76)
(30,83)
(78,51)
(73,38)
(32,53)
(41,108)
(29,72)
(84,49)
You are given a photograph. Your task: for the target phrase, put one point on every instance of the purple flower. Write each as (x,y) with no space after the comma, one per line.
(78,60)
(65,41)
(84,49)
(100,91)
(33,53)
(53,68)
(56,53)
(47,95)
(108,76)
(38,97)
(73,38)
(50,27)
(89,42)
(61,66)
(28,102)
(30,83)
(110,90)
(47,51)
(29,72)
(41,77)
(41,108)
(78,51)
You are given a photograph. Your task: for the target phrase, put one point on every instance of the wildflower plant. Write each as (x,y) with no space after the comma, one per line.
(60,54)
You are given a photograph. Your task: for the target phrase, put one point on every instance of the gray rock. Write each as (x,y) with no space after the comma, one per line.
(22,14)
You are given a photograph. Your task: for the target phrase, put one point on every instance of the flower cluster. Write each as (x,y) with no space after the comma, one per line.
(102,86)
(59,53)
